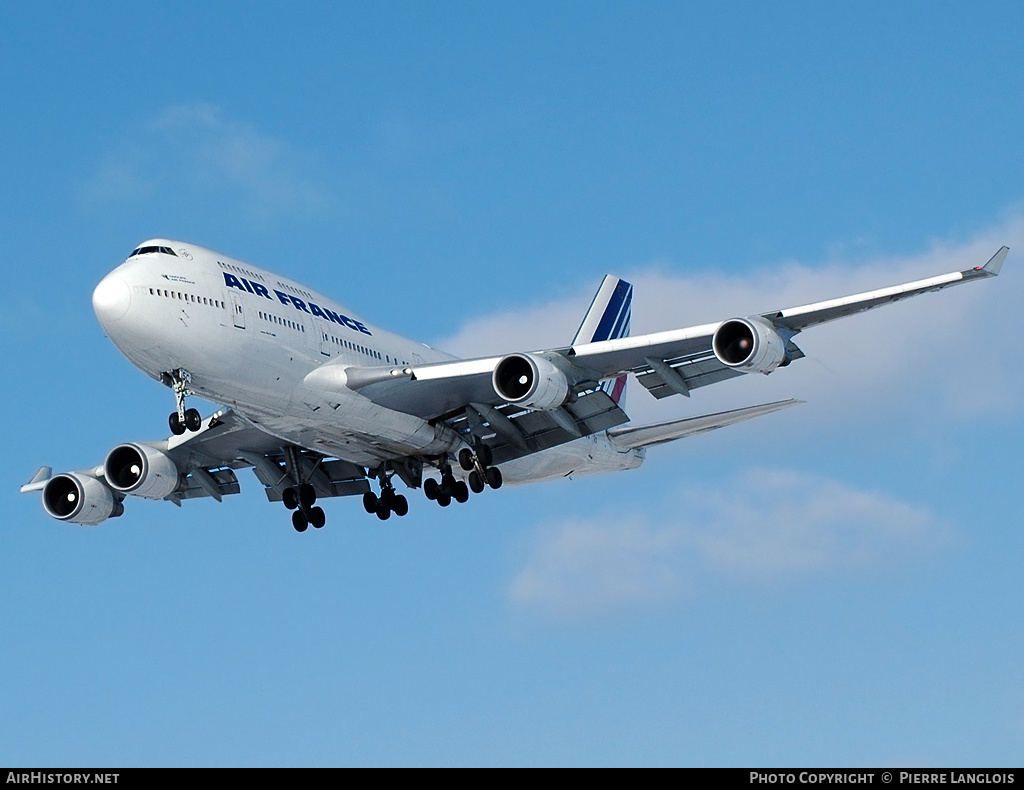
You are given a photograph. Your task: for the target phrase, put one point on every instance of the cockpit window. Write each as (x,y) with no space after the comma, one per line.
(146,250)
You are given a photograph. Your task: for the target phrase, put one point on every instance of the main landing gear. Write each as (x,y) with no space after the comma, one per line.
(388,502)
(300,499)
(183,419)
(481,474)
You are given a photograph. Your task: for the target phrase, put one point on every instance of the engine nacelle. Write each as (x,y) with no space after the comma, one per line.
(141,471)
(532,381)
(79,499)
(749,344)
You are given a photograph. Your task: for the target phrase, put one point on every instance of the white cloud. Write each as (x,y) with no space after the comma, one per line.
(193,154)
(590,569)
(764,527)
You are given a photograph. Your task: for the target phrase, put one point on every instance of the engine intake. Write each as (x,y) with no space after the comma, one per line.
(141,471)
(530,380)
(79,499)
(749,344)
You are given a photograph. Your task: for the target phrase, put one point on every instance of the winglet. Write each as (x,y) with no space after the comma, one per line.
(995,263)
(991,268)
(38,480)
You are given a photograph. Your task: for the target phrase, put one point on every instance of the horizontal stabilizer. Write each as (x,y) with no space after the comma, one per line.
(631,438)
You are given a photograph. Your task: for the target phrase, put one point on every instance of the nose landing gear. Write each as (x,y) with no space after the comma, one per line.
(183,419)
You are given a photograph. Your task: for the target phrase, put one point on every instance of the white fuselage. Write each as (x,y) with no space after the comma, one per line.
(249,338)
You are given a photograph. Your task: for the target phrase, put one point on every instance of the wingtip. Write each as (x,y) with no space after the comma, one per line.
(39,479)
(995,263)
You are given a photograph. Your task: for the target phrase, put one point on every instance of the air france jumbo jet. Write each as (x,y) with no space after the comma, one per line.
(319,401)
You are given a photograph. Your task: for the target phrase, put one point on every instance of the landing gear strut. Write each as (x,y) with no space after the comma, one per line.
(183,419)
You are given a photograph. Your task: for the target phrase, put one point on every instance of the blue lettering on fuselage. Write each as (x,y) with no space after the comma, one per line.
(293,301)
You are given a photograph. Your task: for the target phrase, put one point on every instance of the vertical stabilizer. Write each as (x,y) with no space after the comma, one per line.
(607,319)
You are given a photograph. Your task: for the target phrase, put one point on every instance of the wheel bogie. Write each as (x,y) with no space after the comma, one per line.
(307,495)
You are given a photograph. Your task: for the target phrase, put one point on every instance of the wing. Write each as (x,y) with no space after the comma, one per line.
(666,363)
(675,362)
(228,442)
(193,465)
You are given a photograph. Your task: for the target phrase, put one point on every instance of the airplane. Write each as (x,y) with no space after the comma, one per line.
(318,401)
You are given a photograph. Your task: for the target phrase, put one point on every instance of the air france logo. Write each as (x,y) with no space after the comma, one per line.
(293,301)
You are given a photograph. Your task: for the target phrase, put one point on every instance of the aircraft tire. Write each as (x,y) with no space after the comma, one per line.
(317,517)
(370,502)
(383,512)
(400,505)
(444,499)
(461,492)
(307,495)
(299,521)
(476,483)
(430,488)
(290,498)
(466,459)
(483,454)
(494,477)
(176,427)
(193,420)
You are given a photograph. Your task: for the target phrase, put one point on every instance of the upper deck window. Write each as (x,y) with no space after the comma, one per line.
(146,250)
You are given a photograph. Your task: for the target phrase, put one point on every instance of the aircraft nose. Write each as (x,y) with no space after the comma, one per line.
(111,299)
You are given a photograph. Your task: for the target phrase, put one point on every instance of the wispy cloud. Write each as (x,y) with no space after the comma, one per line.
(195,154)
(762,528)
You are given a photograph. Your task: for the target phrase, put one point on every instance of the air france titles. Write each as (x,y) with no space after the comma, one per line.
(293,301)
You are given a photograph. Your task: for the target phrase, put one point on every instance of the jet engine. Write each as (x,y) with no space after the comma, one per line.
(79,499)
(749,344)
(532,381)
(141,471)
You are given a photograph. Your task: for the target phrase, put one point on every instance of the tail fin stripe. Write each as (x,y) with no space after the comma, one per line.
(614,314)
(622,324)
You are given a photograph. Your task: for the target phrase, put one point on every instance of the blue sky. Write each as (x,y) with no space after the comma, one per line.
(837,584)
